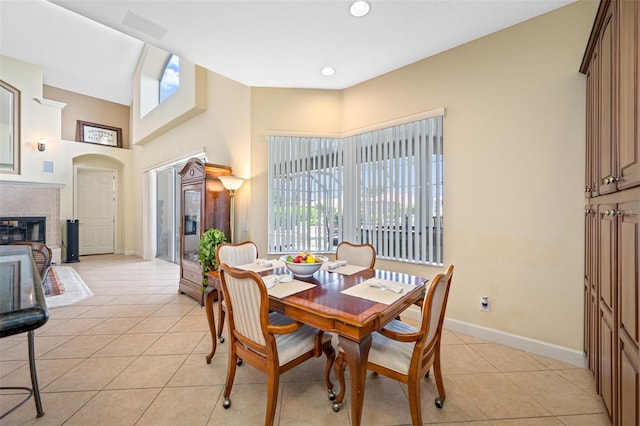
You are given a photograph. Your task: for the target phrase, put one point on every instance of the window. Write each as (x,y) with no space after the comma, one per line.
(159,78)
(383,187)
(170,80)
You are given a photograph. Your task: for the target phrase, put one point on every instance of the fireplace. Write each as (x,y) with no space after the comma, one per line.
(29,200)
(20,229)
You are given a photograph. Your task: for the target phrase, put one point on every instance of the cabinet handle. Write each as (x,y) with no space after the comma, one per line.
(611,180)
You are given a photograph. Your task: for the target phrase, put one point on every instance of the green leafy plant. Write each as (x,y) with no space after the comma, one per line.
(209,242)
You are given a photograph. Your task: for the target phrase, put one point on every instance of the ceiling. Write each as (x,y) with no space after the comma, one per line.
(92,46)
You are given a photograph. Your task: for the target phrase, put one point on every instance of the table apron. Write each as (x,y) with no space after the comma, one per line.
(329,323)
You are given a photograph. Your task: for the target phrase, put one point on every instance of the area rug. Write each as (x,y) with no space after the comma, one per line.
(63,286)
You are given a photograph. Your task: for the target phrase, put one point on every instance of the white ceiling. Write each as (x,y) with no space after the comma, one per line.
(84,46)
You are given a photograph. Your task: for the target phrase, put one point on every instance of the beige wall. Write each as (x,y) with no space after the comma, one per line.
(92,110)
(514,155)
(514,166)
(283,109)
(45,121)
(221,131)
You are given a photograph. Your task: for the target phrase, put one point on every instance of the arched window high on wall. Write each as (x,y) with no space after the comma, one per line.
(170,80)
(159,79)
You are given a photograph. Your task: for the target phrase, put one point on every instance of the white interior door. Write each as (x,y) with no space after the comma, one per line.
(96,210)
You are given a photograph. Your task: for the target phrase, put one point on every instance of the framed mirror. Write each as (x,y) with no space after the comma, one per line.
(9,128)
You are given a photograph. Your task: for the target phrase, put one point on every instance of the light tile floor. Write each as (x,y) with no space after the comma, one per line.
(134,354)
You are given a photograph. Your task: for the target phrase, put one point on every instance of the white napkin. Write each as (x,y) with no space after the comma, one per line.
(386,286)
(264,262)
(272,280)
(337,264)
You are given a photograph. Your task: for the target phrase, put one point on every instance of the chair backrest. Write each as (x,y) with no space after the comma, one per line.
(247,306)
(237,254)
(41,254)
(433,309)
(357,254)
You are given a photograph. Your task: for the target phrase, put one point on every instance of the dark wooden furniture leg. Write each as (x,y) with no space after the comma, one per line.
(208,307)
(357,354)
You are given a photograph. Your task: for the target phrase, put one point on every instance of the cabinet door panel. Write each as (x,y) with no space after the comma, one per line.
(593,127)
(607,67)
(629,377)
(628,145)
(607,263)
(606,357)
(628,313)
(607,281)
(629,269)
(590,296)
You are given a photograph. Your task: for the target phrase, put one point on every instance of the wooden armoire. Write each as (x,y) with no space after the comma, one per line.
(205,204)
(612,210)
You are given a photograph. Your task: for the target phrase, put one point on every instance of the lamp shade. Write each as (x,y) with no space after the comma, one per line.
(232,183)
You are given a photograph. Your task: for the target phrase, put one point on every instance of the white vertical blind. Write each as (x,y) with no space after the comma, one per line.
(383,187)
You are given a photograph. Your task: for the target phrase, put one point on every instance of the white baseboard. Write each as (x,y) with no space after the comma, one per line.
(533,346)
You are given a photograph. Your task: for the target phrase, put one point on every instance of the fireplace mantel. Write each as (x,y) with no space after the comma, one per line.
(32,184)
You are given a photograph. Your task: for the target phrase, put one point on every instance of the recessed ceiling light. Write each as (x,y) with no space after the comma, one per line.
(328,71)
(359,8)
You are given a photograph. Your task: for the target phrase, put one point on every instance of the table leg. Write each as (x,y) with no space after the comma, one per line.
(208,306)
(357,354)
(34,377)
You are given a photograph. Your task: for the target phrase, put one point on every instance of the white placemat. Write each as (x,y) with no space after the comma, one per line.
(260,267)
(281,290)
(364,290)
(343,269)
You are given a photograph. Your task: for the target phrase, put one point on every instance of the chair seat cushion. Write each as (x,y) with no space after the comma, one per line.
(294,344)
(386,352)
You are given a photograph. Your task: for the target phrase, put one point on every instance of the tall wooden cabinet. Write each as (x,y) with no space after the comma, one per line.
(612,213)
(204,205)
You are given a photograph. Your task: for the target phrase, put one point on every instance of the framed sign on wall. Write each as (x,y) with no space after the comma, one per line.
(99,133)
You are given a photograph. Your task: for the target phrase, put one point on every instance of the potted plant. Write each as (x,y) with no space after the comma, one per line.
(209,243)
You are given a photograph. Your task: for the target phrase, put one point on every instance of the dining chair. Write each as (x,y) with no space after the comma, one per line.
(41,254)
(270,342)
(406,353)
(233,255)
(356,254)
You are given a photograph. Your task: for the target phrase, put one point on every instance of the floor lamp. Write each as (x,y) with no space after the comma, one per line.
(232,184)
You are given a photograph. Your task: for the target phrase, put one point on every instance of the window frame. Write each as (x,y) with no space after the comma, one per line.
(301,157)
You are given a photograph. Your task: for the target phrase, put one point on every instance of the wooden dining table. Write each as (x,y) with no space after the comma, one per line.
(327,308)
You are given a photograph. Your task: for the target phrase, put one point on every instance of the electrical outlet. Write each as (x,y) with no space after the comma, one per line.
(484,304)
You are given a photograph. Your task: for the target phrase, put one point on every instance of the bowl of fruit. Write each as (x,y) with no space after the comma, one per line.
(304,265)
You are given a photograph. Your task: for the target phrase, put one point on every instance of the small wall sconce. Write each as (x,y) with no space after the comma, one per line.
(42,144)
